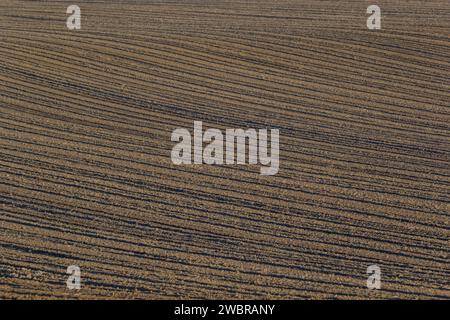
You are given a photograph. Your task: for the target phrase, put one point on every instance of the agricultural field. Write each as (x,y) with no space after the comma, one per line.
(86,176)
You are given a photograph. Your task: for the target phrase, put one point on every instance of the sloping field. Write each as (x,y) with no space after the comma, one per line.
(86,177)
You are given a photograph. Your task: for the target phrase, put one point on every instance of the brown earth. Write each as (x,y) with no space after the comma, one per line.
(86,176)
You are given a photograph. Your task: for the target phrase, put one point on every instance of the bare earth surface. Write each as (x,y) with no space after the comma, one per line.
(86,176)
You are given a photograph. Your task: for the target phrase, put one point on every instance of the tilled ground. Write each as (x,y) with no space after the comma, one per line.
(86,176)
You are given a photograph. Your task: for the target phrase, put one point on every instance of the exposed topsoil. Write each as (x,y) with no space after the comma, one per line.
(86,177)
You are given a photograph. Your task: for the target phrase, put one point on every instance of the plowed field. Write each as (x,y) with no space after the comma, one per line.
(86,177)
